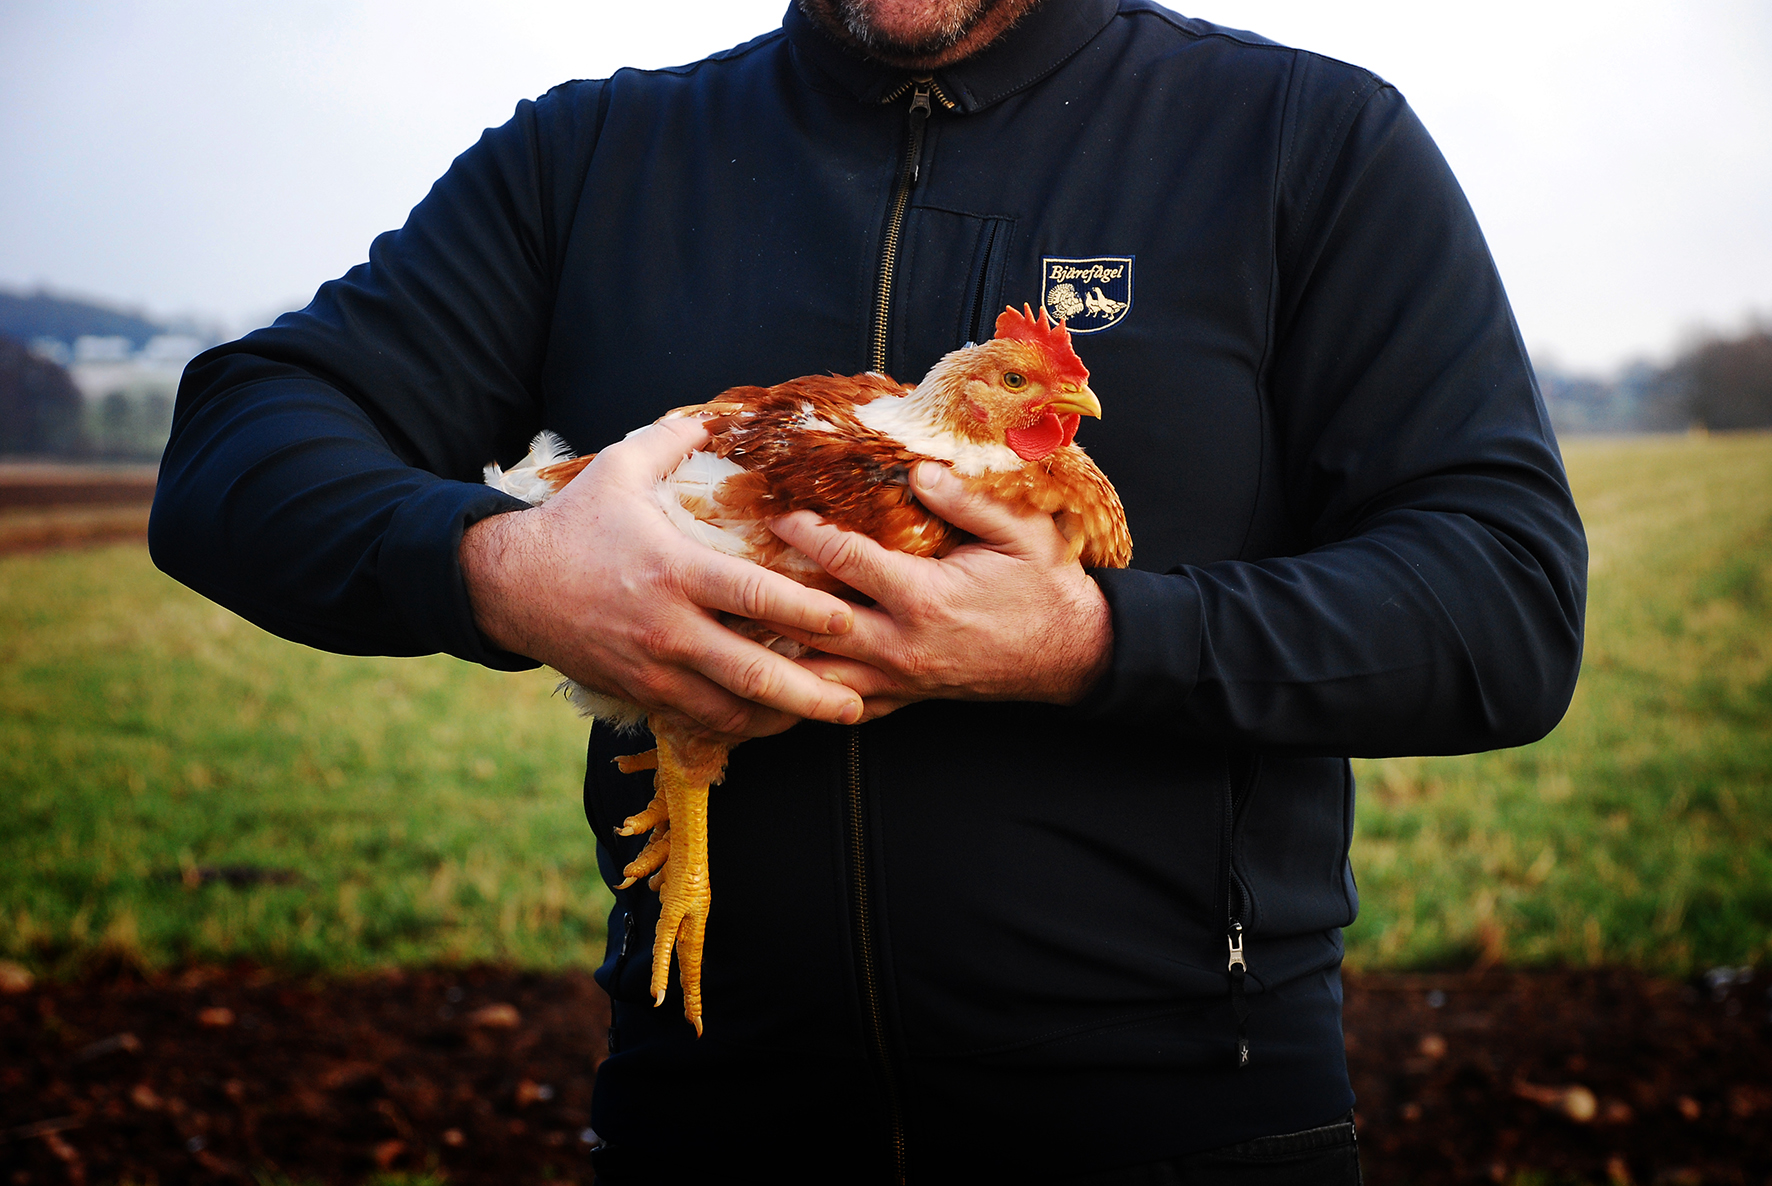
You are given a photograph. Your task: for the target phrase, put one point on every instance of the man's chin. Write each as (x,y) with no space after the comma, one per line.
(943,25)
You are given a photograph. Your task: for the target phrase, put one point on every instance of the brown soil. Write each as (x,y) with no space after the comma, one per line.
(51,483)
(53,505)
(70,527)
(1587,1076)
(485,1075)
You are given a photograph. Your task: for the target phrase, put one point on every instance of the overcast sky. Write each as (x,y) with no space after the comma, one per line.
(222,159)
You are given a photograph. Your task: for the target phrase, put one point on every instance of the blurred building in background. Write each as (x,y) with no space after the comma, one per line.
(81,380)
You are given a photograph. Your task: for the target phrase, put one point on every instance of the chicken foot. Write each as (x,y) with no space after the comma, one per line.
(676,854)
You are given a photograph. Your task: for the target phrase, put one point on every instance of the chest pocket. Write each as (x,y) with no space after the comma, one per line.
(948,286)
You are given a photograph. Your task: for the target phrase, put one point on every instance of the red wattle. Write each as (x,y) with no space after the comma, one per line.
(1043,437)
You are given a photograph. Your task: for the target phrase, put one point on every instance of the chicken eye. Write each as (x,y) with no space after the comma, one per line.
(1014,380)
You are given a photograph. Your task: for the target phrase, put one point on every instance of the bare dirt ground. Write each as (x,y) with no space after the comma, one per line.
(1601,1075)
(484,1075)
(58,505)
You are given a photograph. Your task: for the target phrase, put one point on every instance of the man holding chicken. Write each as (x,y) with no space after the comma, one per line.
(1031,872)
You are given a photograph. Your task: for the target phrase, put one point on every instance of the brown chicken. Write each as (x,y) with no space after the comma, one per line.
(1000,414)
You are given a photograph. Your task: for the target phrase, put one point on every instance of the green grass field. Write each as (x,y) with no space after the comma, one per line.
(1640,830)
(431,809)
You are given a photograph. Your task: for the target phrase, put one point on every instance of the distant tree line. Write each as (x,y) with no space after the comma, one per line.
(128,425)
(1720,384)
(1729,383)
(42,413)
(40,408)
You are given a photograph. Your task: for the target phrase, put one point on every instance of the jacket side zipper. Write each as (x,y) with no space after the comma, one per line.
(1235,910)
(621,964)
(864,937)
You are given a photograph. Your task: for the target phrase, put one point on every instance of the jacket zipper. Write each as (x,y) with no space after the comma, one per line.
(864,936)
(1236,903)
(621,963)
(921,89)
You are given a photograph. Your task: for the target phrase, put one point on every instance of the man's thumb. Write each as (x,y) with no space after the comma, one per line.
(663,444)
(942,491)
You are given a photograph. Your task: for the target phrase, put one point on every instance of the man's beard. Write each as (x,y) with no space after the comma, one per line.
(951,21)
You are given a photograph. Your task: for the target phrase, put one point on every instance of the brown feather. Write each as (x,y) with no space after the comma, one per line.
(802,447)
(562,472)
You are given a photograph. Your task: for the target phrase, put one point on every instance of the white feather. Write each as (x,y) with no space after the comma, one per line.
(696,482)
(520,481)
(912,421)
(610,710)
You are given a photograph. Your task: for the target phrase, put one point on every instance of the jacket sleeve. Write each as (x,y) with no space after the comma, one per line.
(1436,602)
(321,471)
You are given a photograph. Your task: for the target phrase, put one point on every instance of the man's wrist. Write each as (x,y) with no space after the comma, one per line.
(487,555)
(1090,645)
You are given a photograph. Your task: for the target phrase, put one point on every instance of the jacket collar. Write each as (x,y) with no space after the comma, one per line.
(1039,44)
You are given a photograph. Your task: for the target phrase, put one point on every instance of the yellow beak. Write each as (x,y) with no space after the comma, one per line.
(1078,400)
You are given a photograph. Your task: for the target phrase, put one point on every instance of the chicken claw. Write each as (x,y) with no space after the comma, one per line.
(632,763)
(653,814)
(651,858)
(678,850)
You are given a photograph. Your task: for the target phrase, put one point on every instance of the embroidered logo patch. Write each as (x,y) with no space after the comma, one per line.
(1090,294)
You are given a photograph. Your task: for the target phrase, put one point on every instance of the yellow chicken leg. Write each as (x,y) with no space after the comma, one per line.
(678,850)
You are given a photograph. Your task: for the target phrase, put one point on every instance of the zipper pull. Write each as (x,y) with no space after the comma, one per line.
(920,109)
(1239,1002)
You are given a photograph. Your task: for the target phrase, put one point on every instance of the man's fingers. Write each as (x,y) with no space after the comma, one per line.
(881,694)
(1016,530)
(852,558)
(713,710)
(657,449)
(757,674)
(874,633)
(863,678)
(736,586)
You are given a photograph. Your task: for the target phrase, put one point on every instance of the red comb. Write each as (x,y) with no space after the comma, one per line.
(1051,336)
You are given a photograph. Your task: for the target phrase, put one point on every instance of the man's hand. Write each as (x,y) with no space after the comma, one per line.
(598,584)
(1006,618)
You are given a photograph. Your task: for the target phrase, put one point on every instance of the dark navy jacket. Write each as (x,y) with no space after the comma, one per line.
(988,938)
